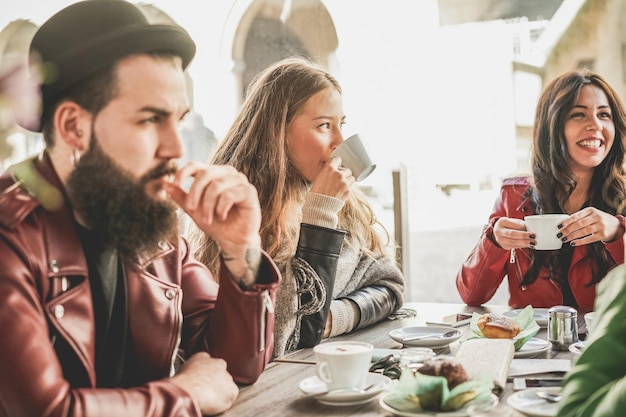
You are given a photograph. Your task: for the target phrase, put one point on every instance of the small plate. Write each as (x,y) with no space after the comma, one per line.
(529,404)
(539,314)
(432,342)
(532,348)
(313,385)
(458,413)
(577,347)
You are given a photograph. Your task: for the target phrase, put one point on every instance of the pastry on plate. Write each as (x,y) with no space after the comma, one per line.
(451,370)
(495,326)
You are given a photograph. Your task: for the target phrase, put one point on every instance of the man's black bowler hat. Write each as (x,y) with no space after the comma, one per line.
(89,35)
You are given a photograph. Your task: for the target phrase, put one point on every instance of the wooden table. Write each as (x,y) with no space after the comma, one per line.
(276,393)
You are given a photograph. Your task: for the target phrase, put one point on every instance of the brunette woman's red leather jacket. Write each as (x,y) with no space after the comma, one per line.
(47,348)
(487,265)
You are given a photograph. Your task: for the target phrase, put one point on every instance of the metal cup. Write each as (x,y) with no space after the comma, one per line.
(562,327)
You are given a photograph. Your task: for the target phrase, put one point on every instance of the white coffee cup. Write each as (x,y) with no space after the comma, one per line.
(354,156)
(544,227)
(343,364)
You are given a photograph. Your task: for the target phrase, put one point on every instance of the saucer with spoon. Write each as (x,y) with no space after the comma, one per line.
(315,388)
(536,402)
(426,336)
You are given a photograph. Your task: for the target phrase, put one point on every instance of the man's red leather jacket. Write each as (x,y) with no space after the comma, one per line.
(47,352)
(483,271)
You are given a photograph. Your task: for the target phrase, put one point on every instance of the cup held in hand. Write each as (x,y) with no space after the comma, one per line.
(544,226)
(354,156)
(343,364)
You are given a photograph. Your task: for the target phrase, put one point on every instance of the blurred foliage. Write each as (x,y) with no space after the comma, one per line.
(19,104)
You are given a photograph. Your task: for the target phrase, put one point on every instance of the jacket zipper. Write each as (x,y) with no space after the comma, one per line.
(519,272)
(178,333)
(266,308)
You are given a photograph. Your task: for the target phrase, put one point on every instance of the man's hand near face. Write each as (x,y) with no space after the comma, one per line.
(224,205)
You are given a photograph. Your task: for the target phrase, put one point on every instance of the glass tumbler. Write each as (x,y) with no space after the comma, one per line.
(485,407)
(413,358)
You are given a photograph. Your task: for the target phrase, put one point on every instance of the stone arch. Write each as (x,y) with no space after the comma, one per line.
(270,30)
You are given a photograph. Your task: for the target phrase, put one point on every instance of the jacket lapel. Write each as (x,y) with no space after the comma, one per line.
(67,300)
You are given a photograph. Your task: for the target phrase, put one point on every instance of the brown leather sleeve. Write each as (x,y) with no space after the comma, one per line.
(243,323)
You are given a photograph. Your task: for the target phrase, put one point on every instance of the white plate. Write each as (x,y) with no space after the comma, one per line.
(577,347)
(532,348)
(539,314)
(527,402)
(432,342)
(458,413)
(313,385)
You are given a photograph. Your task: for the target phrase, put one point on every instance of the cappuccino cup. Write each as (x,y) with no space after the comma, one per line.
(343,364)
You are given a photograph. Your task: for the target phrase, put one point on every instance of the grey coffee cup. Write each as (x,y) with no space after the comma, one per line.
(354,155)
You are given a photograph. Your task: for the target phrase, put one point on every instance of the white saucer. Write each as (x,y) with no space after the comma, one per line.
(539,314)
(527,402)
(313,385)
(432,342)
(532,348)
(577,347)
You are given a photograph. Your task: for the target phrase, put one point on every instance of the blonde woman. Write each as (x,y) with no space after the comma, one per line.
(317,226)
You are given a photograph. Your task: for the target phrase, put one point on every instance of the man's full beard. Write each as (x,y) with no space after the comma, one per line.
(117,207)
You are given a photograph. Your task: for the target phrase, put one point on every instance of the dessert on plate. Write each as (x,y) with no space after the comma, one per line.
(495,326)
(440,385)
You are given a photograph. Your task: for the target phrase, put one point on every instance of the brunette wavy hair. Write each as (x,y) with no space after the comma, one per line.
(256,145)
(553,177)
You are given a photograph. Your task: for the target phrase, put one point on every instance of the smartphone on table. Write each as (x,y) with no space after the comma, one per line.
(454,320)
(523,383)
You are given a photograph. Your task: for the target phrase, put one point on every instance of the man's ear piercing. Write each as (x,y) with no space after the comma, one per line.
(75,157)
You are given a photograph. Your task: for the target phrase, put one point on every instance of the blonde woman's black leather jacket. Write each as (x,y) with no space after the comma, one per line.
(319,247)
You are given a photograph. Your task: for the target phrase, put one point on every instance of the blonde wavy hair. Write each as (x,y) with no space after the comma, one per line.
(256,145)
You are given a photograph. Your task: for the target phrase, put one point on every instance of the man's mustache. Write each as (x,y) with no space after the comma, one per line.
(161,170)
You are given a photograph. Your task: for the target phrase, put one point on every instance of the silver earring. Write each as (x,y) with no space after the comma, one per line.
(75,157)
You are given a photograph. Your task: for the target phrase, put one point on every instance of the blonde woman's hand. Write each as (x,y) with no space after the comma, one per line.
(334,180)
(329,325)
(512,234)
(590,225)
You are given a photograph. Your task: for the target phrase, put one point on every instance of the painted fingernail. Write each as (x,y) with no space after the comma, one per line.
(572,243)
(533,243)
(560,226)
(564,239)
(532,236)
(559,234)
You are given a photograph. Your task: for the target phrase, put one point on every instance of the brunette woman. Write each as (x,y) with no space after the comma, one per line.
(577,169)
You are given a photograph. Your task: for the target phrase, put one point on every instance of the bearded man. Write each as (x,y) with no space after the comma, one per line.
(103,309)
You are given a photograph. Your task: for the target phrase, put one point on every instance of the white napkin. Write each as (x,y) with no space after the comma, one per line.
(486,357)
(521,367)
